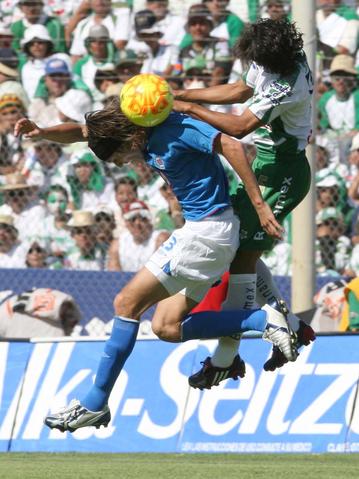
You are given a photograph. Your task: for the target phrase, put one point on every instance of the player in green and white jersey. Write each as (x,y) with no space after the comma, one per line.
(278,89)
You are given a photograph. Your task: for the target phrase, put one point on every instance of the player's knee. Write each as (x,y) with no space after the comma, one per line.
(125,305)
(166,331)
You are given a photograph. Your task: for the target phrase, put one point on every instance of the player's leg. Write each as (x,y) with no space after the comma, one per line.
(266,291)
(288,184)
(137,296)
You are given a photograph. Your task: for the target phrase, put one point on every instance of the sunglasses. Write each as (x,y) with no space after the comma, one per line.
(16,194)
(83,231)
(36,249)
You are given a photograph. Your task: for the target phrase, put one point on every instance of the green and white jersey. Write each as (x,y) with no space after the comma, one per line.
(284,104)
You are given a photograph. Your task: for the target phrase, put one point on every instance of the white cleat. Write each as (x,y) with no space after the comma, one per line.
(75,416)
(278,331)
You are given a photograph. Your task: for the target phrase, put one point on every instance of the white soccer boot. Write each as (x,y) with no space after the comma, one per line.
(75,416)
(278,331)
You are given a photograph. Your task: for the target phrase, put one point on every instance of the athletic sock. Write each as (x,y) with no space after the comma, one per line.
(241,294)
(214,324)
(267,291)
(117,349)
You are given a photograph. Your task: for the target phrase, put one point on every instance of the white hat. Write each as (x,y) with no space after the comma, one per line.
(7,220)
(135,208)
(74,104)
(81,218)
(36,31)
(328,182)
(355,143)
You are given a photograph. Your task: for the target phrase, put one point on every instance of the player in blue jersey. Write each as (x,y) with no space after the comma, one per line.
(185,152)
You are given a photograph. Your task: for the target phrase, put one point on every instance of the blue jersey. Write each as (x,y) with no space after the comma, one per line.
(181,149)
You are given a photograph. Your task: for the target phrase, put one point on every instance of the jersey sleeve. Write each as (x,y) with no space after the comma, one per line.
(271,102)
(250,75)
(198,136)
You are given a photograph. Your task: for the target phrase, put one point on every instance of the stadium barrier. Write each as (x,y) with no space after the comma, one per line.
(310,406)
(93,291)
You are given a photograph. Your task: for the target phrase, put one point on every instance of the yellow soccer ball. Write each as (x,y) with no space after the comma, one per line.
(146,99)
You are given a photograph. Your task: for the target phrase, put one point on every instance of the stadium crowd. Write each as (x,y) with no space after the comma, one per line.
(61,208)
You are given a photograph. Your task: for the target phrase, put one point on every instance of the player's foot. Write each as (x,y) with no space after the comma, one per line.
(210,375)
(278,331)
(75,416)
(305,335)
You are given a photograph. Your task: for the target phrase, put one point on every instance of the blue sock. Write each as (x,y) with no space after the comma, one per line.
(215,324)
(117,349)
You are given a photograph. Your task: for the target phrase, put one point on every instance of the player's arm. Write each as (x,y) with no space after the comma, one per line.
(233,152)
(234,125)
(62,133)
(225,94)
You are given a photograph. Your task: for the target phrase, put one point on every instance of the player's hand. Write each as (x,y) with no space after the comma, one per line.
(28,128)
(269,223)
(181,106)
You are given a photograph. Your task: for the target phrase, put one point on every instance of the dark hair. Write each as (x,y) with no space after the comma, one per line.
(126,180)
(56,188)
(276,45)
(109,130)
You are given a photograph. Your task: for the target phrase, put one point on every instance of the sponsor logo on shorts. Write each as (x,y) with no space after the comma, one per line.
(283,194)
(259,236)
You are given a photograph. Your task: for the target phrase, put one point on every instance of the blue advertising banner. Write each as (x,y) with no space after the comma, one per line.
(309,406)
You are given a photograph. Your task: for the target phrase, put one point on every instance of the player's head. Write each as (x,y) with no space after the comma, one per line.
(273,44)
(112,136)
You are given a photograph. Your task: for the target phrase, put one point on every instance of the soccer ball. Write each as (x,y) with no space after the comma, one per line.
(146,99)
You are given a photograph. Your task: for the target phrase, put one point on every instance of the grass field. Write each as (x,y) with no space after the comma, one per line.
(178,466)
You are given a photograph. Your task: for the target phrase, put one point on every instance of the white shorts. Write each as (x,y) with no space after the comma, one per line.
(195,256)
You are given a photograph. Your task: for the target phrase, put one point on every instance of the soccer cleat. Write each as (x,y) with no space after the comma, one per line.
(278,331)
(210,375)
(305,335)
(75,416)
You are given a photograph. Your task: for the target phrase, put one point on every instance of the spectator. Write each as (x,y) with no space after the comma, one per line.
(89,187)
(36,256)
(37,46)
(101,55)
(33,11)
(104,79)
(171,26)
(131,251)
(277,9)
(8,65)
(73,105)
(45,165)
(55,83)
(158,57)
(21,201)
(128,65)
(353,190)
(212,52)
(171,217)
(337,30)
(54,231)
(12,252)
(102,14)
(13,106)
(125,193)
(338,108)
(105,227)
(6,35)
(226,25)
(332,192)
(332,247)
(38,313)
(86,254)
